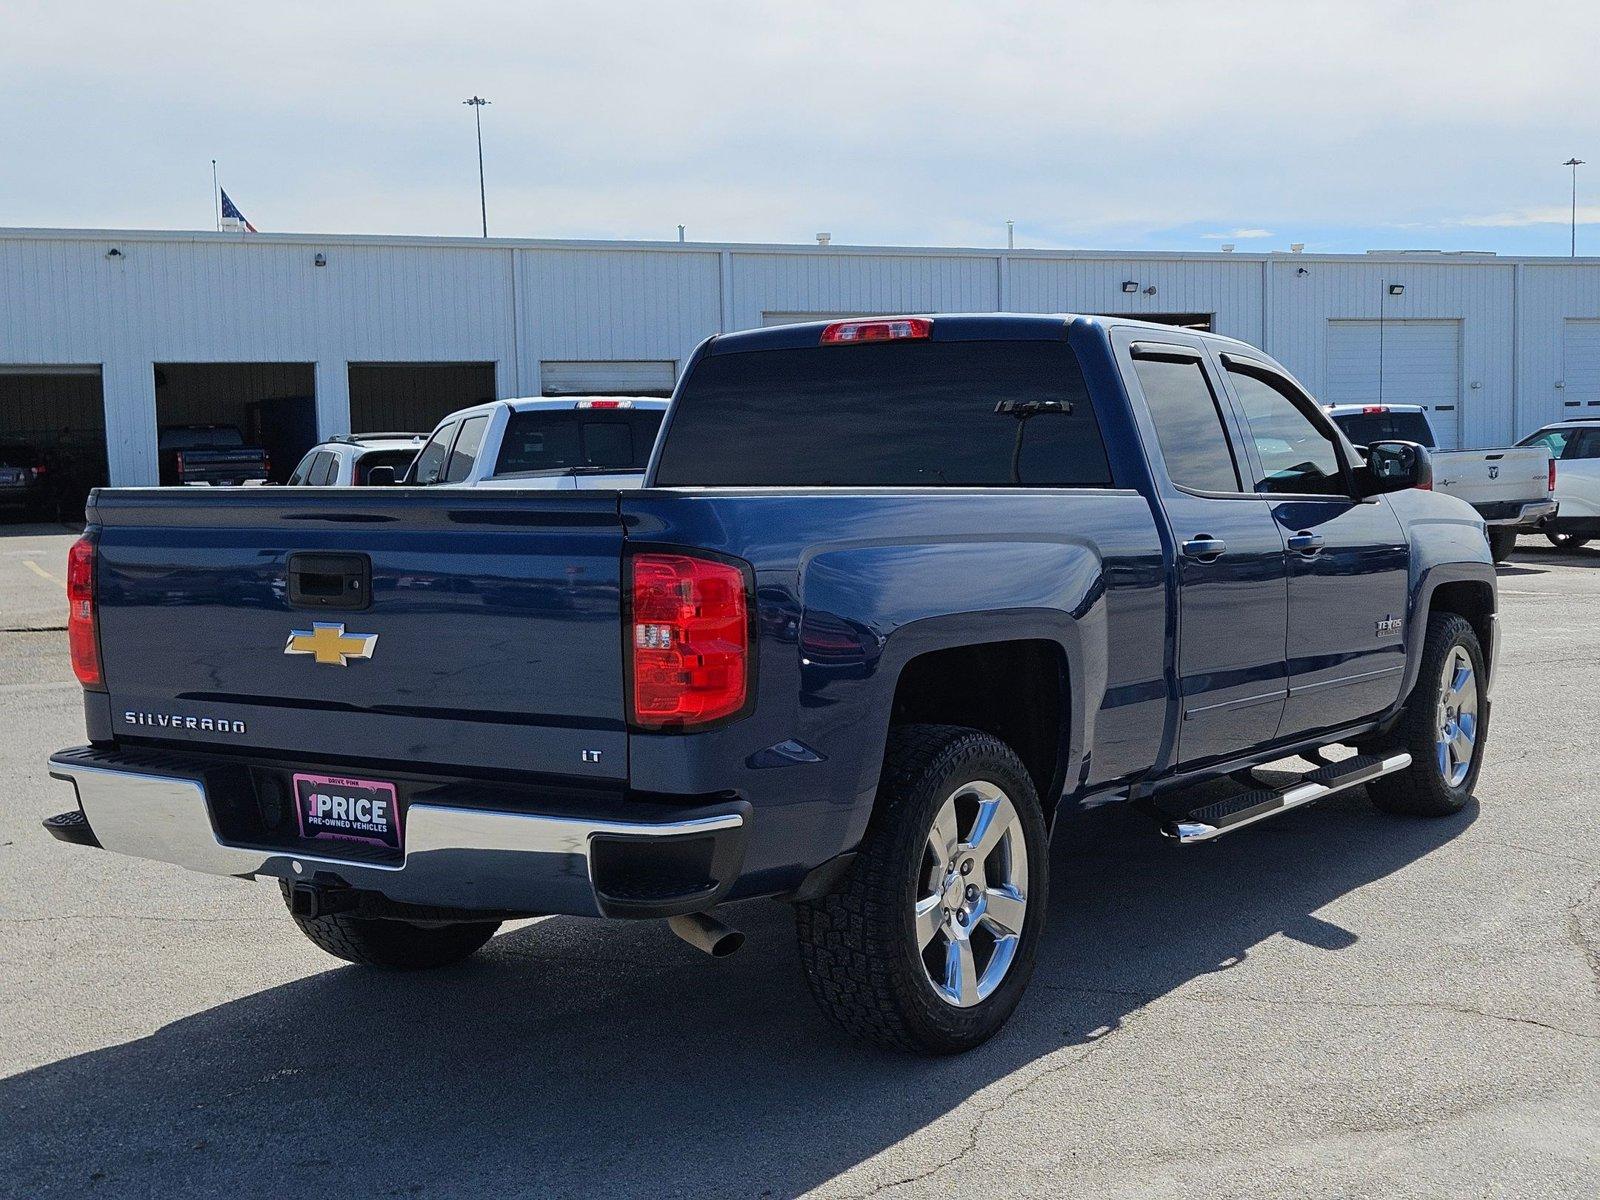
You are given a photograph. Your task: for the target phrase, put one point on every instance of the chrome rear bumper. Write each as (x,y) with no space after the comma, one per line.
(1529,514)
(454,857)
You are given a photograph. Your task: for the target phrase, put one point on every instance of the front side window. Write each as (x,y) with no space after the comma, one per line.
(1194,442)
(431,461)
(465,451)
(1297,458)
(913,413)
(302,470)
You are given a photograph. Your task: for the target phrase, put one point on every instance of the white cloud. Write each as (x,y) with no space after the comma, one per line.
(1238,234)
(1588,214)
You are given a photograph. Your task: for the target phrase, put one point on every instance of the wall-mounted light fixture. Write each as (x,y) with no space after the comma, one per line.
(113,253)
(1130,286)
(1301,272)
(1151,290)
(320,260)
(1397,289)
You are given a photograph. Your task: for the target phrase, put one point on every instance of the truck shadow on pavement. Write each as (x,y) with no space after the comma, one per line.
(574,1058)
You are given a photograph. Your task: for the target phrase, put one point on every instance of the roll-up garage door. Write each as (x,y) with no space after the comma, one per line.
(1399,362)
(615,378)
(1580,370)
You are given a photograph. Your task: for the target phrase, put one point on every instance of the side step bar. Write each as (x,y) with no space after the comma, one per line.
(1224,816)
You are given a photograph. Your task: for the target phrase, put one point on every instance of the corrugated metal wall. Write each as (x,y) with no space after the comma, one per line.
(227,298)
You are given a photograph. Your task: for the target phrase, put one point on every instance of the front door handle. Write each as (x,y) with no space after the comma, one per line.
(1305,542)
(1204,547)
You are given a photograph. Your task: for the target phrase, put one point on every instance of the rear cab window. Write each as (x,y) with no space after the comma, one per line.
(1364,428)
(912,413)
(571,440)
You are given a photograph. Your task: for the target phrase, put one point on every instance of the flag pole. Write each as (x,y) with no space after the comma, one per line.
(216,202)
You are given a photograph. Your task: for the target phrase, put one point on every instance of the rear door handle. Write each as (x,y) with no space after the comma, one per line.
(1305,542)
(1204,547)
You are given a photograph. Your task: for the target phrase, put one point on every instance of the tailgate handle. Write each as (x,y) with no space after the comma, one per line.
(318,580)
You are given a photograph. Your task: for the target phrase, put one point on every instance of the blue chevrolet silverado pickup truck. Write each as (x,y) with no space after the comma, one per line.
(897,594)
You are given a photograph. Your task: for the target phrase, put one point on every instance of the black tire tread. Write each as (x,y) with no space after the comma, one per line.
(398,945)
(1419,790)
(849,938)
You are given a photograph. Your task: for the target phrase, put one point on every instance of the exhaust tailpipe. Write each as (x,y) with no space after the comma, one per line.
(705,932)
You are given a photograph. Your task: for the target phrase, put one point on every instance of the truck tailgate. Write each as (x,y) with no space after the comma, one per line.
(1484,478)
(489,637)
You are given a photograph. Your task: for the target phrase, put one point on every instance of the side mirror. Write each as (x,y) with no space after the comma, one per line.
(1395,466)
(381,477)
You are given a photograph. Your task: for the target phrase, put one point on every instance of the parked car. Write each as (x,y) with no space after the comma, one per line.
(349,461)
(23,474)
(897,593)
(1576,447)
(583,443)
(209,455)
(1512,490)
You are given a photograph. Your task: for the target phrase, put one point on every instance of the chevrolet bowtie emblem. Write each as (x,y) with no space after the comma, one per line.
(328,643)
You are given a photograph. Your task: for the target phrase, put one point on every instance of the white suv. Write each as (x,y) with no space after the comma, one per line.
(1575,445)
(348,461)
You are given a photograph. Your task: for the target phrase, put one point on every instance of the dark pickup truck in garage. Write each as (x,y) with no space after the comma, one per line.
(896,594)
(209,455)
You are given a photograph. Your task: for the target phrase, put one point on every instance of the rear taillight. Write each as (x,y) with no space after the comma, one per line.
(1370,409)
(40,471)
(1550,479)
(891,330)
(689,641)
(82,636)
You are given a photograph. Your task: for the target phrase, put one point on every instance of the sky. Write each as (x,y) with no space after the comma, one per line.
(1133,125)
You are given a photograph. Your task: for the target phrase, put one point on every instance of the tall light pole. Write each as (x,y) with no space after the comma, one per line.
(477,103)
(1574,163)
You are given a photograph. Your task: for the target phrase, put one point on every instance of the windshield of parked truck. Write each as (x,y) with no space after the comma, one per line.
(892,414)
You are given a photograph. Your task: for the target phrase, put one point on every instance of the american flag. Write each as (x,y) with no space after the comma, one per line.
(232,218)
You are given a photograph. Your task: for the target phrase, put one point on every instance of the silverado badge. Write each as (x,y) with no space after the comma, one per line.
(329,644)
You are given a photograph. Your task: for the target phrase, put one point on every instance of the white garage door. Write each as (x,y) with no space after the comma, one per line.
(1420,363)
(1580,369)
(615,378)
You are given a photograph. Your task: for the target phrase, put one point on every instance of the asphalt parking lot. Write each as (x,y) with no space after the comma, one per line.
(1335,1003)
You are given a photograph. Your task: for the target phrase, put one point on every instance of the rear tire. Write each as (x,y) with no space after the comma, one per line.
(928,941)
(1446,721)
(399,945)
(1567,541)
(1502,543)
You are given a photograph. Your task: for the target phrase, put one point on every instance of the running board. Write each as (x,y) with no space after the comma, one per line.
(1224,816)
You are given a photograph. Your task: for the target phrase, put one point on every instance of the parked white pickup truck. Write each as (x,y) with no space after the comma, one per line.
(1512,489)
(542,444)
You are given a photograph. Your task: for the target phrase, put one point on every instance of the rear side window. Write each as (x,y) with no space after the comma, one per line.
(465,451)
(577,440)
(323,470)
(1188,420)
(431,460)
(892,414)
(1555,439)
(1365,428)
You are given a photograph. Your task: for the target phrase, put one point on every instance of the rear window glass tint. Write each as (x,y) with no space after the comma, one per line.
(574,439)
(895,414)
(1188,421)
(465,452)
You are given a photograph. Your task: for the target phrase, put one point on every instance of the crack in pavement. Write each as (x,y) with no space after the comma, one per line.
(1297,1002)
(1579,938)
(987,1111)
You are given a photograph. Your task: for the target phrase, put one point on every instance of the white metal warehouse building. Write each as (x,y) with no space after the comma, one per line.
(107,335)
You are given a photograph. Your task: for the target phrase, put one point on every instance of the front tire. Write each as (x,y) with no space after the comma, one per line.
(1445,723)
(399,945)
(928,941)
(1502,542)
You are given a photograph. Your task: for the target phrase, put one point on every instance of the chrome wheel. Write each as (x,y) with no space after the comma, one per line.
(1458,717)
(972,894)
